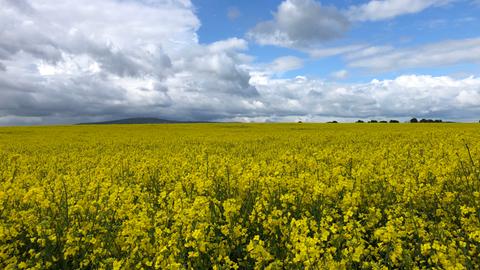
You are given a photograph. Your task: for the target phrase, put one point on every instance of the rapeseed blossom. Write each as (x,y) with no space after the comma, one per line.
(240,196)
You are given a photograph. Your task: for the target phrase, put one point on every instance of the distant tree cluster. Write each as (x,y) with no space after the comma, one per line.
(375,121)
(393,121)
(423,120)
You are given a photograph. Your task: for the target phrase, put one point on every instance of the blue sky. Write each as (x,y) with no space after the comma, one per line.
(76,61)
(454,20)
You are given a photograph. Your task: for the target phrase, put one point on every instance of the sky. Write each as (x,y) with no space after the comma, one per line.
(74,61)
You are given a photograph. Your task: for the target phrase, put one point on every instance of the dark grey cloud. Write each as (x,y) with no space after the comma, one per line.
(20,5)
(15,40)
(68,97)
(301,24)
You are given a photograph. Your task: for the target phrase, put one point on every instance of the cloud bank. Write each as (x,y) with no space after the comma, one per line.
(77,61)
(402,97)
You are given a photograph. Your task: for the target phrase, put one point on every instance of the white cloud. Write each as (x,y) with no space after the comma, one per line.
(300,24)
(377,10)
(286,63)
(306,24)
(231,44)
(366,52)
(80,60)
(432,55)
(469,98)
(75,62)
(402,97)
(340,74)
(333,51)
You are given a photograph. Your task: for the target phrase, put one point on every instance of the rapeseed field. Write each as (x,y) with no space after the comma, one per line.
(240,196)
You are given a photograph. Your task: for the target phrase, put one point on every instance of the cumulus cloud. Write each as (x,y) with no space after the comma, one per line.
(214,68)
(306,24)
(66,62)
(377,10)
(431,55)
(300,24)
(79,60)
(402,97)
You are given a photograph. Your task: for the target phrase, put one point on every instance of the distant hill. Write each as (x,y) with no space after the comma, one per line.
(140,120)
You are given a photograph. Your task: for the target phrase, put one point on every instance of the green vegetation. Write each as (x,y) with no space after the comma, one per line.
(241,196)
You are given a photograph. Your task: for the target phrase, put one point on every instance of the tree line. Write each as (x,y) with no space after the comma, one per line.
(413,120)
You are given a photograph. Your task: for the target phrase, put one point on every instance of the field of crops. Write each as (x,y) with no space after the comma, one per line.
(240,196)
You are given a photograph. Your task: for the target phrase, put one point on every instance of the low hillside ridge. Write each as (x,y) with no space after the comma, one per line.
(138,120)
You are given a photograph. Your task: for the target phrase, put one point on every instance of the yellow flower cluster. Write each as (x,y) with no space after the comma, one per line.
(240,196)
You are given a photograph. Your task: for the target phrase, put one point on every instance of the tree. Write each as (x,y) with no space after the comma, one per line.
(426,120)
(360,121)
(414,120)
(394,121)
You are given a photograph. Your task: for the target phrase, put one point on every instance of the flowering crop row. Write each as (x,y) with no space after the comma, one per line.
(240,196)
